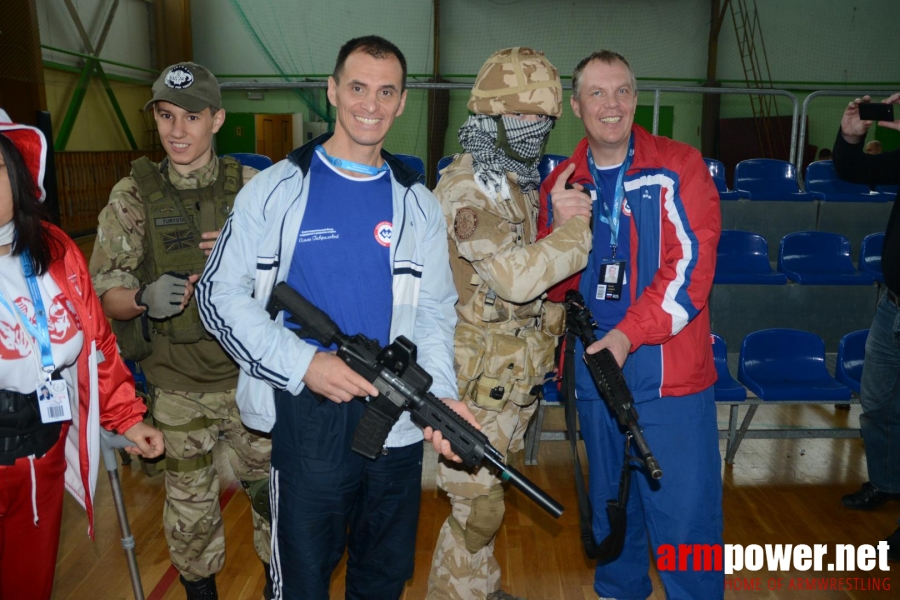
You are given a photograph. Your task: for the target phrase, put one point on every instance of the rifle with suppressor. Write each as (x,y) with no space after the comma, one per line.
(402,385)
(614,390)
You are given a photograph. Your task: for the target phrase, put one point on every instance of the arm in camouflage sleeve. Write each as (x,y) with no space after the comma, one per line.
(118,251)
(516,273)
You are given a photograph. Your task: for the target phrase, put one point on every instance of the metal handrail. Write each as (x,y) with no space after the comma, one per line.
(657,90)
(801,139)
(728,91)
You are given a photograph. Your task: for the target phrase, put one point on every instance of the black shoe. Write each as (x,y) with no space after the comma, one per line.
(894,546)
(842,406)
(202,589)
(867,498)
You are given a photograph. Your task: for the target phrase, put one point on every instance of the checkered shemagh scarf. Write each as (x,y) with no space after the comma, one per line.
(478,137)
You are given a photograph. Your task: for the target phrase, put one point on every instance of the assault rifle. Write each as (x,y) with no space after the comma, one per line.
(402,385)
(608,377)
(611,384)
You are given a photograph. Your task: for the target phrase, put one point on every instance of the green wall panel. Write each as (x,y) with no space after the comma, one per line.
(238,134)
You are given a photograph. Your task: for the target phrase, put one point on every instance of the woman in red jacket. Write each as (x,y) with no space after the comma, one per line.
(61,377)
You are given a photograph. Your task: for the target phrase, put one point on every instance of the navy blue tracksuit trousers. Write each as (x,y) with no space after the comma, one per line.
(326,498)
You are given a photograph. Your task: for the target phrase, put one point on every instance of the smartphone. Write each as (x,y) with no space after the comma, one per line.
(876,111)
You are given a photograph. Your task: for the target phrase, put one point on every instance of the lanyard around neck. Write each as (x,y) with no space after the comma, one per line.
(613,211)
(349,165)
(40,332)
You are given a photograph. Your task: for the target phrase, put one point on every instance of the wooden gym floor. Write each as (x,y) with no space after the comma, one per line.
(777,492)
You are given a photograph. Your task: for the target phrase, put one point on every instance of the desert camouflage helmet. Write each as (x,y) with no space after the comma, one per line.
(517,80)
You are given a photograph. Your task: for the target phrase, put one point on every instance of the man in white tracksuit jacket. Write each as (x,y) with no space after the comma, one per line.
(348,226)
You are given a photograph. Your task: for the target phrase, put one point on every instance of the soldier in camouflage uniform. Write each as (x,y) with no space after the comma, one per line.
(150,249)
(507,333)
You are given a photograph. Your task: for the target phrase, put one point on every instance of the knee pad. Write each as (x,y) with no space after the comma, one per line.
(259,497)
(485,519)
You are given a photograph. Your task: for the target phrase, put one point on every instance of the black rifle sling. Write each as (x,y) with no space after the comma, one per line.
(585,512)
(612,545)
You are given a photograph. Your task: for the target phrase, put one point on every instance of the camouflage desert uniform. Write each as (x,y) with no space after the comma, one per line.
(193,396)
(505,342)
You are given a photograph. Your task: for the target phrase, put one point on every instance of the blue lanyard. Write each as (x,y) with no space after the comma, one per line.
(613,213)
(349,165)
(41,333)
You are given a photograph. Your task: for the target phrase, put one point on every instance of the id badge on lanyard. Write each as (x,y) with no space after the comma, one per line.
(52,394)
(612,270)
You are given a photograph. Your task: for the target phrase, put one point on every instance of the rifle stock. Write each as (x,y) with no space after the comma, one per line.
(402,385)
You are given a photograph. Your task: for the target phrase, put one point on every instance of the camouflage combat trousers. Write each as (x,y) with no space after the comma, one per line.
(463,566)
(191,423)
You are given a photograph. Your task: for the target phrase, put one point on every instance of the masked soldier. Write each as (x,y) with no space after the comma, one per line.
(152,242)
(506,334)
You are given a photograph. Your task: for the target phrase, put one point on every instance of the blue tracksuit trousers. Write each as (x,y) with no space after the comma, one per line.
(683,507)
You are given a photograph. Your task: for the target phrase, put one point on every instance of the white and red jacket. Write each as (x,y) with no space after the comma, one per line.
(105,388)
(675,228)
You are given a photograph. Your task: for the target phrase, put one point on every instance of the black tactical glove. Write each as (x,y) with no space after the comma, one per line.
(163,297)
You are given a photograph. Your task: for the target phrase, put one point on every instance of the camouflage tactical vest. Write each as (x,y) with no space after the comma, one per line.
(174,220)
(503,350)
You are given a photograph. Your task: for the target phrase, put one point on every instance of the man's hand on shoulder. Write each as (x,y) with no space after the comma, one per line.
(570,203)
(442,446)
(617,342)
(327,375)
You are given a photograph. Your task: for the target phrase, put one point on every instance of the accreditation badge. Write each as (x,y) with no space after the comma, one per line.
(612,280)
(53,400)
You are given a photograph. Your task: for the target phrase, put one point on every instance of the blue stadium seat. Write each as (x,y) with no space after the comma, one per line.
(870,256)
(888,189)
(770,179)
(717,172)
(743,257)
(821,177)
(548,163)
(443,164)
(413,162)
(819,258)
(726,388)
(850,355)
(787,364)
(260,162)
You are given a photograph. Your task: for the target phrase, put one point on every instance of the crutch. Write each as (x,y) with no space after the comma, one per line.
(108,444)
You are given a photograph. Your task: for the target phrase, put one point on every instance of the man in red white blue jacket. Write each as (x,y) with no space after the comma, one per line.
(656,221)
